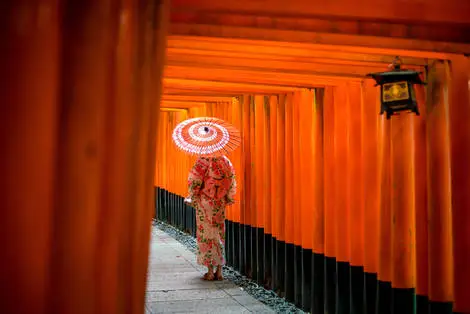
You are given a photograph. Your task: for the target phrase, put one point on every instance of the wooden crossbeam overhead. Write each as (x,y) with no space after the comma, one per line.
(279,78)
(432,25)
(174,91)
(166,109)
(457,33)
(442,12)
(390,45)
(290,51)
(291,55)
(182,104)
(208,86)
(196,98)
(272,67)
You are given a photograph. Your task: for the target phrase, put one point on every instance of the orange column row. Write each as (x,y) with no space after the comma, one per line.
(323,171)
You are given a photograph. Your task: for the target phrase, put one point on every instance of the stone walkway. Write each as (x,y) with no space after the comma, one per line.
(174,284)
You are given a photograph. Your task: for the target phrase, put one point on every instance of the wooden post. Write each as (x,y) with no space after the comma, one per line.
(72,119)
(318,204)
(384,303)
(28,129)
(329,199)
(371,191)
(280,194)
(421,210)
(247,199)
(296,196)
(237,162)
(403,214)
(273,206)
(342,204)
(308,195)
(259,129)
(252,273)
(289,198)
(439,191)
(355,195)
(459,115)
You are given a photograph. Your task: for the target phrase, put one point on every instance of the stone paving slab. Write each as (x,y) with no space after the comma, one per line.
(175,286)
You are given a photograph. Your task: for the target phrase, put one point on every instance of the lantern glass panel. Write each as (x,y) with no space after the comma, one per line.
(395,91)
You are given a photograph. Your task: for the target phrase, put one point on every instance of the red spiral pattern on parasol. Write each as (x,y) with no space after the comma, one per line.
(206,136)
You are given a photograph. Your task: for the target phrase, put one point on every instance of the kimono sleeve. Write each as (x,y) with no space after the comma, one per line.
(233,186)
(196,178)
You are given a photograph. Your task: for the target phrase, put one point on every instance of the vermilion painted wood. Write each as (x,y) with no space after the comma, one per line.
(459,112)
(439,186)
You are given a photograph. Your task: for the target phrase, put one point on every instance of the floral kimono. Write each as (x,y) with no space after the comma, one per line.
(212,187)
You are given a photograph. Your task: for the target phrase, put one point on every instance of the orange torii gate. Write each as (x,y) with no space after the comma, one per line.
(81,90)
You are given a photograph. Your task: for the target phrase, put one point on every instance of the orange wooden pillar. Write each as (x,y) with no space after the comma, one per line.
(160,165)
(231,221)
(252,271)
(266,187)
(308,198)
(403,213)
(180,162)
(355,195)
(71,121)
(272,205)
(297,170)
(148,94)
(237,207)
(170,169)
(247,193)
(280,194)
(28,131)
(165,148)
(317,204)
(342,203)
(229,210)
(384,295)
(371,191)
(289,198)
(260,182)
(421,209)
(329,199)
(459,115)
(439,192)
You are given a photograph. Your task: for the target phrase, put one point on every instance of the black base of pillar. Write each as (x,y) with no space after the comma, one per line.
(357,290)
(403,301)
(318,283)
(384,302)
(371,286)
(280,287)
(306,280)
(330,284)
(343,300)
(289,273)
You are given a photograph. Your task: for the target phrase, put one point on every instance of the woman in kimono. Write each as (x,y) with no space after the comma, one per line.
(212,187)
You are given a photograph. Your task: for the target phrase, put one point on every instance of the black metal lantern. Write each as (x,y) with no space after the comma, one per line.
(396,89)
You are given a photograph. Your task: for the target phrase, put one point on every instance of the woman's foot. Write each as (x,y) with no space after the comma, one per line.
(218,274)
(209,276)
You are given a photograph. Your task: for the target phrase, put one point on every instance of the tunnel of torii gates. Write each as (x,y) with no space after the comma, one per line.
(337,206)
